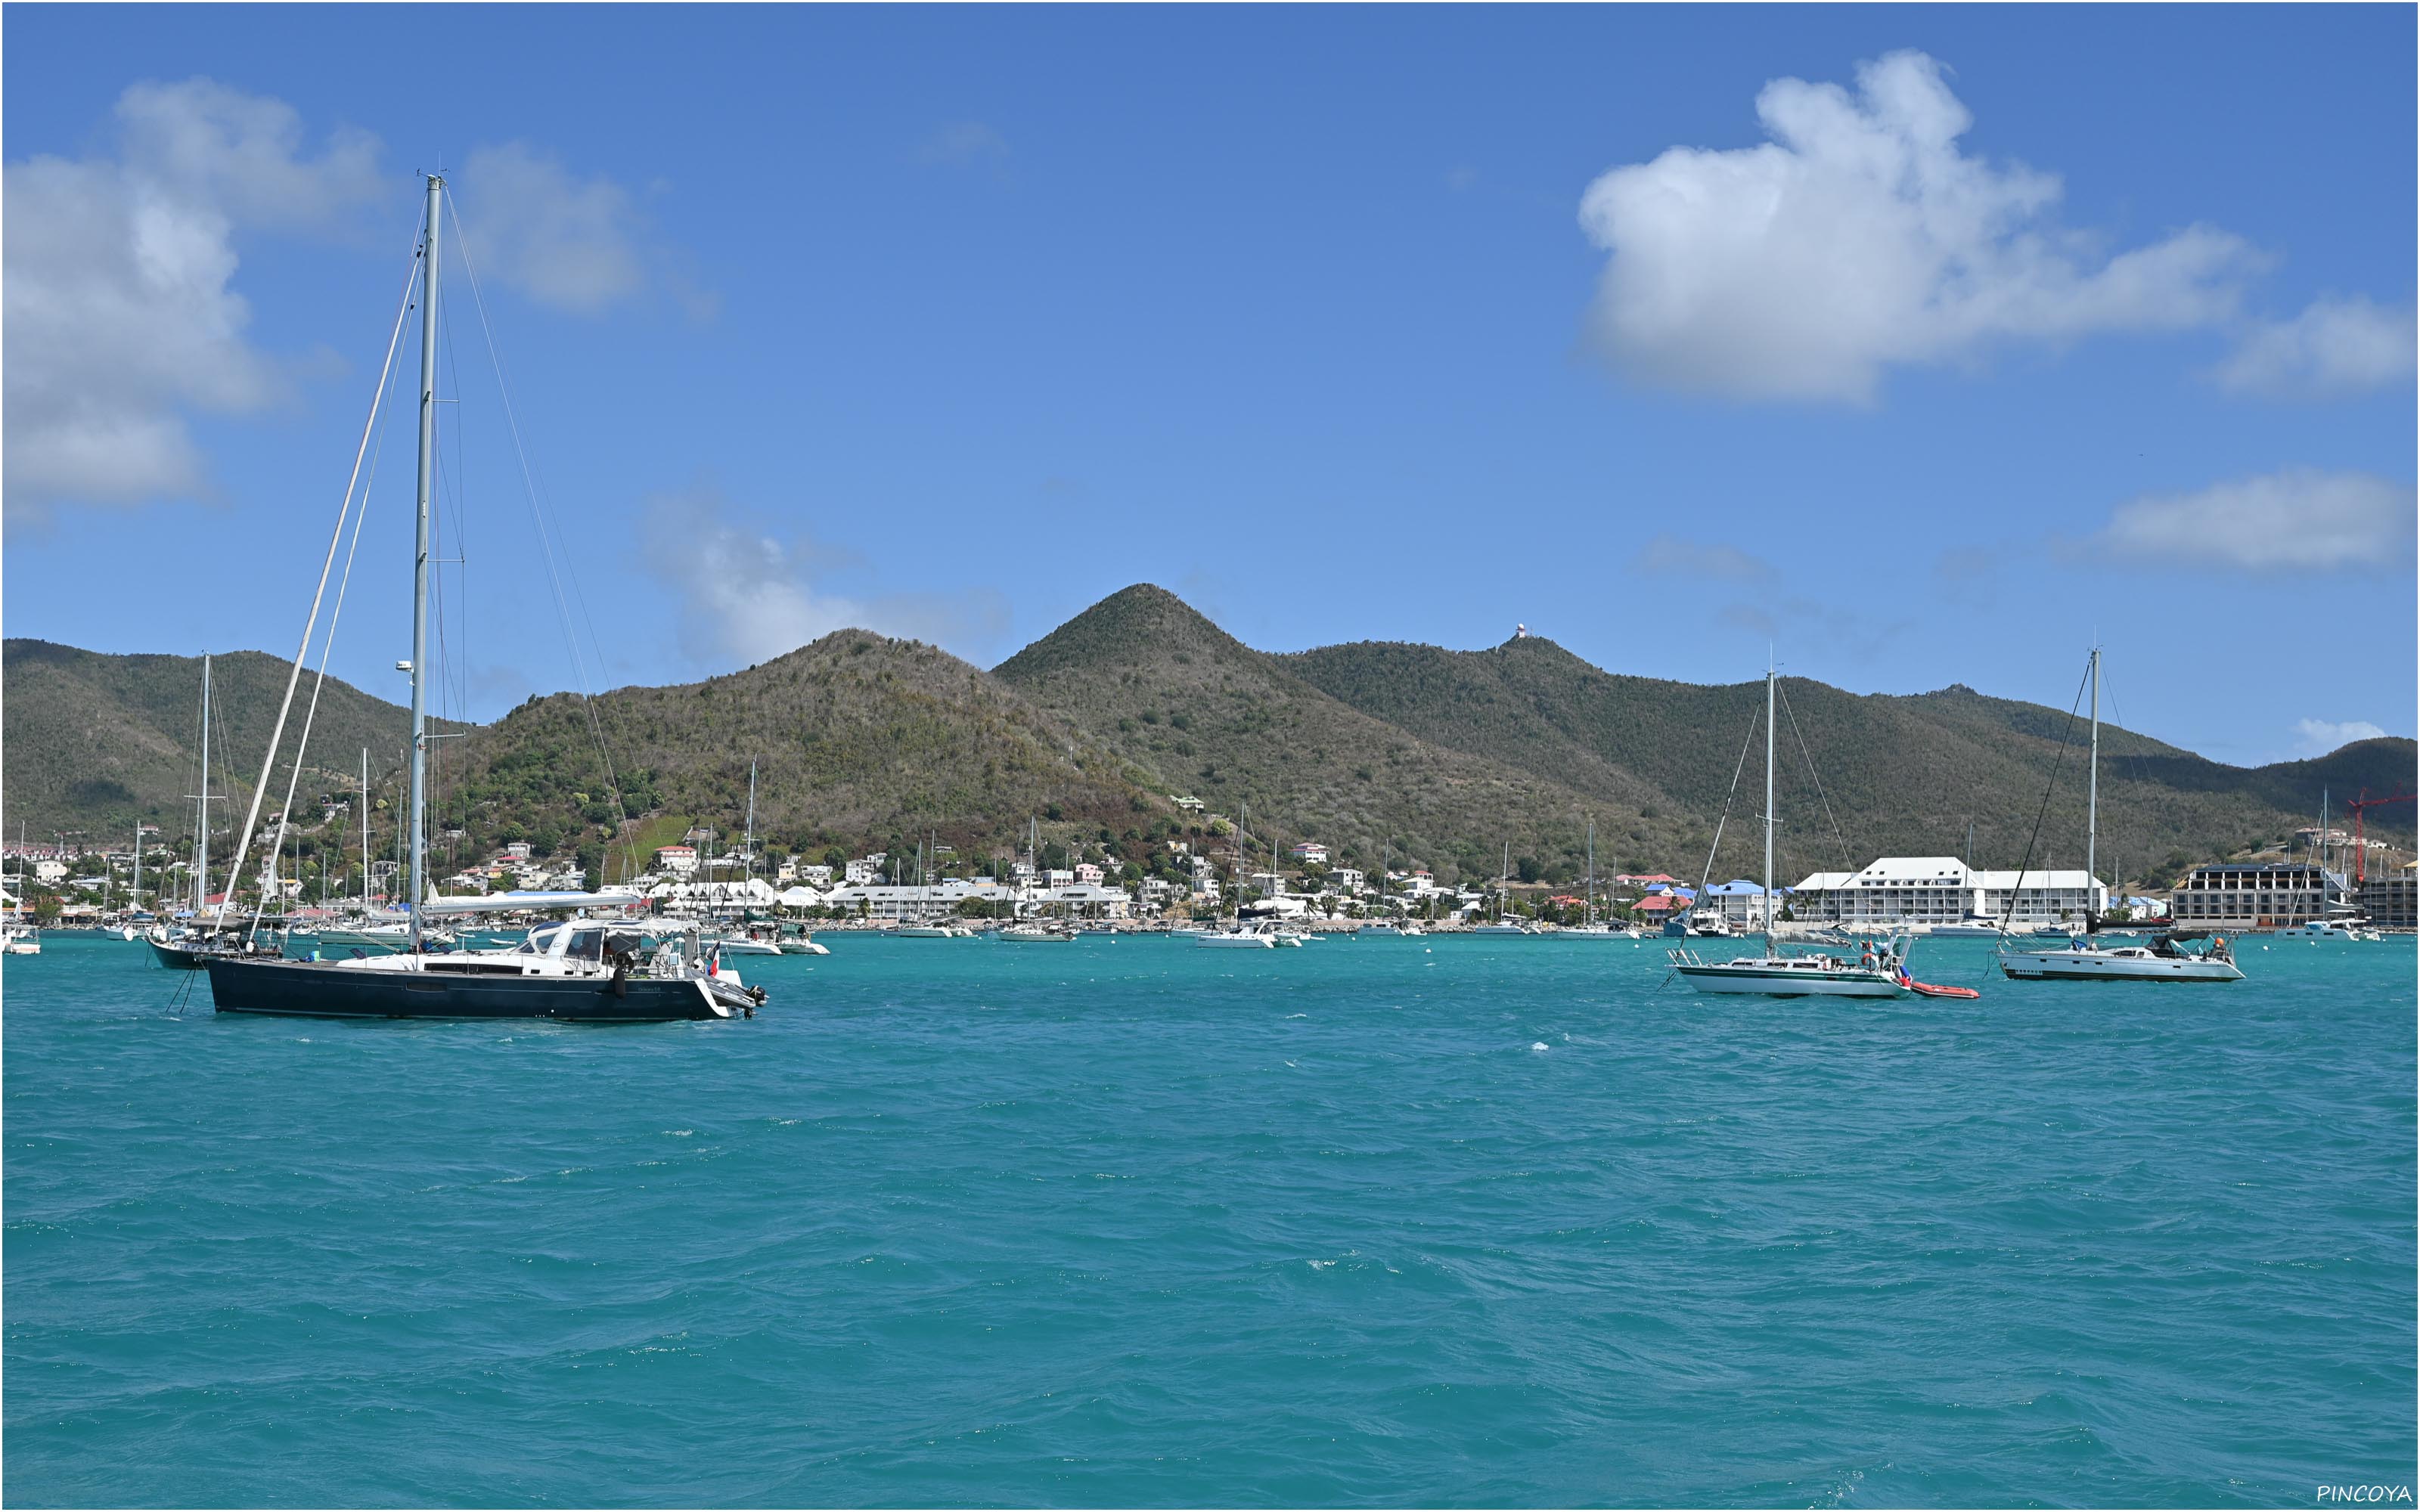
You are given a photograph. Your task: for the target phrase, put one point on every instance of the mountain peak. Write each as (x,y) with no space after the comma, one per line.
(1140,622)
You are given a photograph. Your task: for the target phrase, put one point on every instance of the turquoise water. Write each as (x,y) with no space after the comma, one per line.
(1124,1222)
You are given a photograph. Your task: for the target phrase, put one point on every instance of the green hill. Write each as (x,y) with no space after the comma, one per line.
(1144,675)
(859,740)
(96,742)
(1898,775)
(1442,756)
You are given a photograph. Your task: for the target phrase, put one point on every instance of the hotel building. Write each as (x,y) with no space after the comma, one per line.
(2254,895)
(1942,890)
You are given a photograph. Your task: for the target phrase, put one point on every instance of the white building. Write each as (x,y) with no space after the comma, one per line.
(681,897)
(864,870)
(1345,879)
(1310,852)
(1739,903)
(815,876)
(680,860)
(1942,890)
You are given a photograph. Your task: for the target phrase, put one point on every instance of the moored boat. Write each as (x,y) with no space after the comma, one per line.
(2082,960)
(589,969)
(1878,972)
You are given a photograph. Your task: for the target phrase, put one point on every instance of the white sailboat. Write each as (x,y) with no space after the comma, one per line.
(1588,928)
(19,938)
(1875,974)
(1500,924)
(2080,959)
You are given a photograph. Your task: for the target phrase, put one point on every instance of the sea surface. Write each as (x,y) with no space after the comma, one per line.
(1441,1222)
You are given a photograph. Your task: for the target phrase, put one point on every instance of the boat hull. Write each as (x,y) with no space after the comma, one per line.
(301,989)
(1758,983)
(2085,966)
(180,957)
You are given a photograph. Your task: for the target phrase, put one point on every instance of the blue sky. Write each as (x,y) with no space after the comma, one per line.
(1999,329)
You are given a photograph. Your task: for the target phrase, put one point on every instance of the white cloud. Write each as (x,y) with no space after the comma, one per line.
(2334,347)
(1670,554)
(2300,518)
(744,596)
(122,315)
(532,224)
(1861,239)
(2317,737)
(119,307)
(747,595)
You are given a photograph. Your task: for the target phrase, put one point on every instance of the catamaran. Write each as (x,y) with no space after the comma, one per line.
(2080,959)
(1877,973)
(588,969)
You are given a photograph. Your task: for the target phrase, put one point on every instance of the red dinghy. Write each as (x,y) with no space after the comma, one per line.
(1927,989)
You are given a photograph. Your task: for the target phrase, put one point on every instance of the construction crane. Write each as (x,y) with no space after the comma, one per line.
(2360,808)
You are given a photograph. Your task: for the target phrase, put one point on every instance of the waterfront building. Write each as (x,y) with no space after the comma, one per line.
(2389,899)
(1091,902)
(1738,904)
(2256,895)
(901,904)
(1943,889)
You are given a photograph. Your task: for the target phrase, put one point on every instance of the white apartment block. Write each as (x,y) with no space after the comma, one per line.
(1942,890)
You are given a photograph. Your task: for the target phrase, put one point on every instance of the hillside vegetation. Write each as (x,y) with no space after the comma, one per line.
(859,740)
(1897,775)
(1144,675)
(1445,756)
(96,742)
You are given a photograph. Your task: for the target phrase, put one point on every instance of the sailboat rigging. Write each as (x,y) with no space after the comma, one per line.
(2080,959)
(1877,973)
(586,968)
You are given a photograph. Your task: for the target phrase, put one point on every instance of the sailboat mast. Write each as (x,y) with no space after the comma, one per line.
(748,842)
(1771,682)
(202,828)
(134,893)
(2092,792)
(365,829)
(417,808)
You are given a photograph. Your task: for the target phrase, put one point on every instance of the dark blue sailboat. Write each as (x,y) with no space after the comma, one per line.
(588,969)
